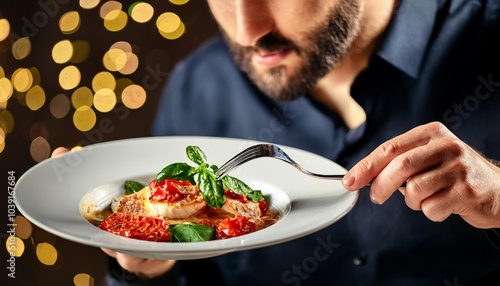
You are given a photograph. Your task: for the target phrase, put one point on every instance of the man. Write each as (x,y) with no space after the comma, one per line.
(363,83)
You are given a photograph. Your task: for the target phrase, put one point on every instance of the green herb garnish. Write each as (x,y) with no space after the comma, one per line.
(210,188)
(132,187)
(191,232)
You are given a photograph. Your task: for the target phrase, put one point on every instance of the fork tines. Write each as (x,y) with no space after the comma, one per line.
(246,155)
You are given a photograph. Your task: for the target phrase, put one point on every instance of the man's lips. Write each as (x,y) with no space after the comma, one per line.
(270,59)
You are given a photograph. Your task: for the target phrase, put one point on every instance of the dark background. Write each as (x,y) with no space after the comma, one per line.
(39,21)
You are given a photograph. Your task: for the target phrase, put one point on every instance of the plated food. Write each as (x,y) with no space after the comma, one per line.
(185,203)
(55,193)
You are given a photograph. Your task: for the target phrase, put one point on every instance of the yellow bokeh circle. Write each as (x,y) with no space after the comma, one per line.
(104,100)
(22,79)
(35,98)
(15,245)
(46,253)
(62,52)
(115,20)
(83,279)
(82,96)
(70,22)
(103,80)
(69,77)
(4,29)
(84,118)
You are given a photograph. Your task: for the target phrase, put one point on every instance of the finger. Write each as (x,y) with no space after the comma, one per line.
(440,206)
(369,167)
(423,159)
(422,186)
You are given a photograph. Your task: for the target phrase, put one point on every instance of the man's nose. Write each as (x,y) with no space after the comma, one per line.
(253,21)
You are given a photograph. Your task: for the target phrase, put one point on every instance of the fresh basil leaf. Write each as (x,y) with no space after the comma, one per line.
(191,232)
(195,154)
(132,187)
(241,188)
(211,189)
(214,168)
(176,171)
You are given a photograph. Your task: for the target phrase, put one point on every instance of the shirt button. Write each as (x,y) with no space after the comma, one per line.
(360,260)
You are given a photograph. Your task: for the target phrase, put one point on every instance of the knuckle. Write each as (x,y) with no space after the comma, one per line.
(437,128)
(413,188)
(404,164)
(454,147)
(389,149)
(365,165)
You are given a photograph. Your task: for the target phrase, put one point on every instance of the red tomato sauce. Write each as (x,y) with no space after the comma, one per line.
(166,190)
(135,226)
(232,227)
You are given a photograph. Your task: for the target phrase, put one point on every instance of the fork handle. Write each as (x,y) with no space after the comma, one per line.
(339,177)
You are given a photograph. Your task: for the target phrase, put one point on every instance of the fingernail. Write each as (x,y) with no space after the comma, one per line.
(348,180)
(374,200)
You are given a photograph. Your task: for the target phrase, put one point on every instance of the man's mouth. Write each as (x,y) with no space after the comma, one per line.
(270,59)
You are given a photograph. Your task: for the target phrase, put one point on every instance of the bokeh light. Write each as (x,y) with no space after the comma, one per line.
(22,79)
(115,20)
(121,84)
(46,253)
(35,98)
(179,2)
(141,12)
(134,96)
(83,279)
(104,100)
(89,4)
(168,22)
(84,118)
(114,59)
(4,29)
(6,89)
(122,45)
(35,73)
(70,22)
(21,48)
(15,245)
(40,149)
(2,72)
(108,7)
(24,228)
(69,77)
(81,51)
(2,139)
(62,52)
(83,96)
(102,80)
(131,65)
(38,129)
(170,26)
(6,121)
(60,106)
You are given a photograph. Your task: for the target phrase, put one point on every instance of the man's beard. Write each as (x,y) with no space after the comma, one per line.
(320,52)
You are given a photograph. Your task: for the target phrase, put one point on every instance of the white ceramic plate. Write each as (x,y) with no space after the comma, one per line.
(50,193)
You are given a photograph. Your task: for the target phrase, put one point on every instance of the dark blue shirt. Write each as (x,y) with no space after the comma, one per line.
(438,61)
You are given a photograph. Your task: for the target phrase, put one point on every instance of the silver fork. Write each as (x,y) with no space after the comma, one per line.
(266,150)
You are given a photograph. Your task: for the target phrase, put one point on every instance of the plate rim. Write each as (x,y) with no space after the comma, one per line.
(202,248)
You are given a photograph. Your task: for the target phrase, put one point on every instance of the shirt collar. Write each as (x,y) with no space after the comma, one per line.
(405,41)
